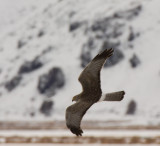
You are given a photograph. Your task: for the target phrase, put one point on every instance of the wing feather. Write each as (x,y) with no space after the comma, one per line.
(74,115)
(91,74)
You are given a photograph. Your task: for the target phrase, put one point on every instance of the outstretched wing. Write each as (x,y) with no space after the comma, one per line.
(90,76)
(74,115)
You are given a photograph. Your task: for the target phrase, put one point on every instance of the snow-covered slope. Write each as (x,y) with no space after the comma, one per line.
(59,34)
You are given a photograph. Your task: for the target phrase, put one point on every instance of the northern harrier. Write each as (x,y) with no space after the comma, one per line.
(90,81)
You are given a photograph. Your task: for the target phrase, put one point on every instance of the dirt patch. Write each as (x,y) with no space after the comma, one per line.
(105,125)
(82,140)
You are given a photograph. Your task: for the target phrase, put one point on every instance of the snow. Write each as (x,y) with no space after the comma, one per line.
(92,133)
(21,20)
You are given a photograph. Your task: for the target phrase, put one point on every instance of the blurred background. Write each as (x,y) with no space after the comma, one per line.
(44,46)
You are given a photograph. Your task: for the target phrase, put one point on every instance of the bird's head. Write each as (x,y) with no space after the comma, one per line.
(75,98)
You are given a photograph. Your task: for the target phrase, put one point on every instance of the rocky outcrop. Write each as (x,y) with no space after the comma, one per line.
(41,33)
(46,108)
(114,59)
(129,14)
(110,32)
(30,66)
(13,83)
(73,26)
(51,81)
(21,43)
(85,58)
(26,67)
(105,34)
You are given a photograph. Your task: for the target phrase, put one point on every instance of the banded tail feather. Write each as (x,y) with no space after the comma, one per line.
(114,96)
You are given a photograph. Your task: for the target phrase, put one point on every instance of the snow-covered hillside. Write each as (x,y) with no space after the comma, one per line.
(44,45)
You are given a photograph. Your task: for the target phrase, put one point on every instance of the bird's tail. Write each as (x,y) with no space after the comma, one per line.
(114,96)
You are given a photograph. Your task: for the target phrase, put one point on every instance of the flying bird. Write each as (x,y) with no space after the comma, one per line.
(91,92)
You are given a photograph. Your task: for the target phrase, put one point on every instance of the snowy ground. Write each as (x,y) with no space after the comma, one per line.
(94,133)
(89,136)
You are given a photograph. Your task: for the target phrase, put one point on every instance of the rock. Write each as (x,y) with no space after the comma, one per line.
(114,59)
(129,14)
(46,107)
(41,33)
(134,61)
(105,33)
(109,27)
(131,109)
(30,66)
(90,44)
(85,59)
(47,50)
(21,43)
(101,25)
(109,44)
(51,81)
(85,54)
(32,114)
(13,83)
(71,14)
(109,32)
(132,35)
(73,26)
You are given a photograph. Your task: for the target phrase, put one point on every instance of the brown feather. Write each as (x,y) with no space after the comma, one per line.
(74,115)
(90,76)
(114,96)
